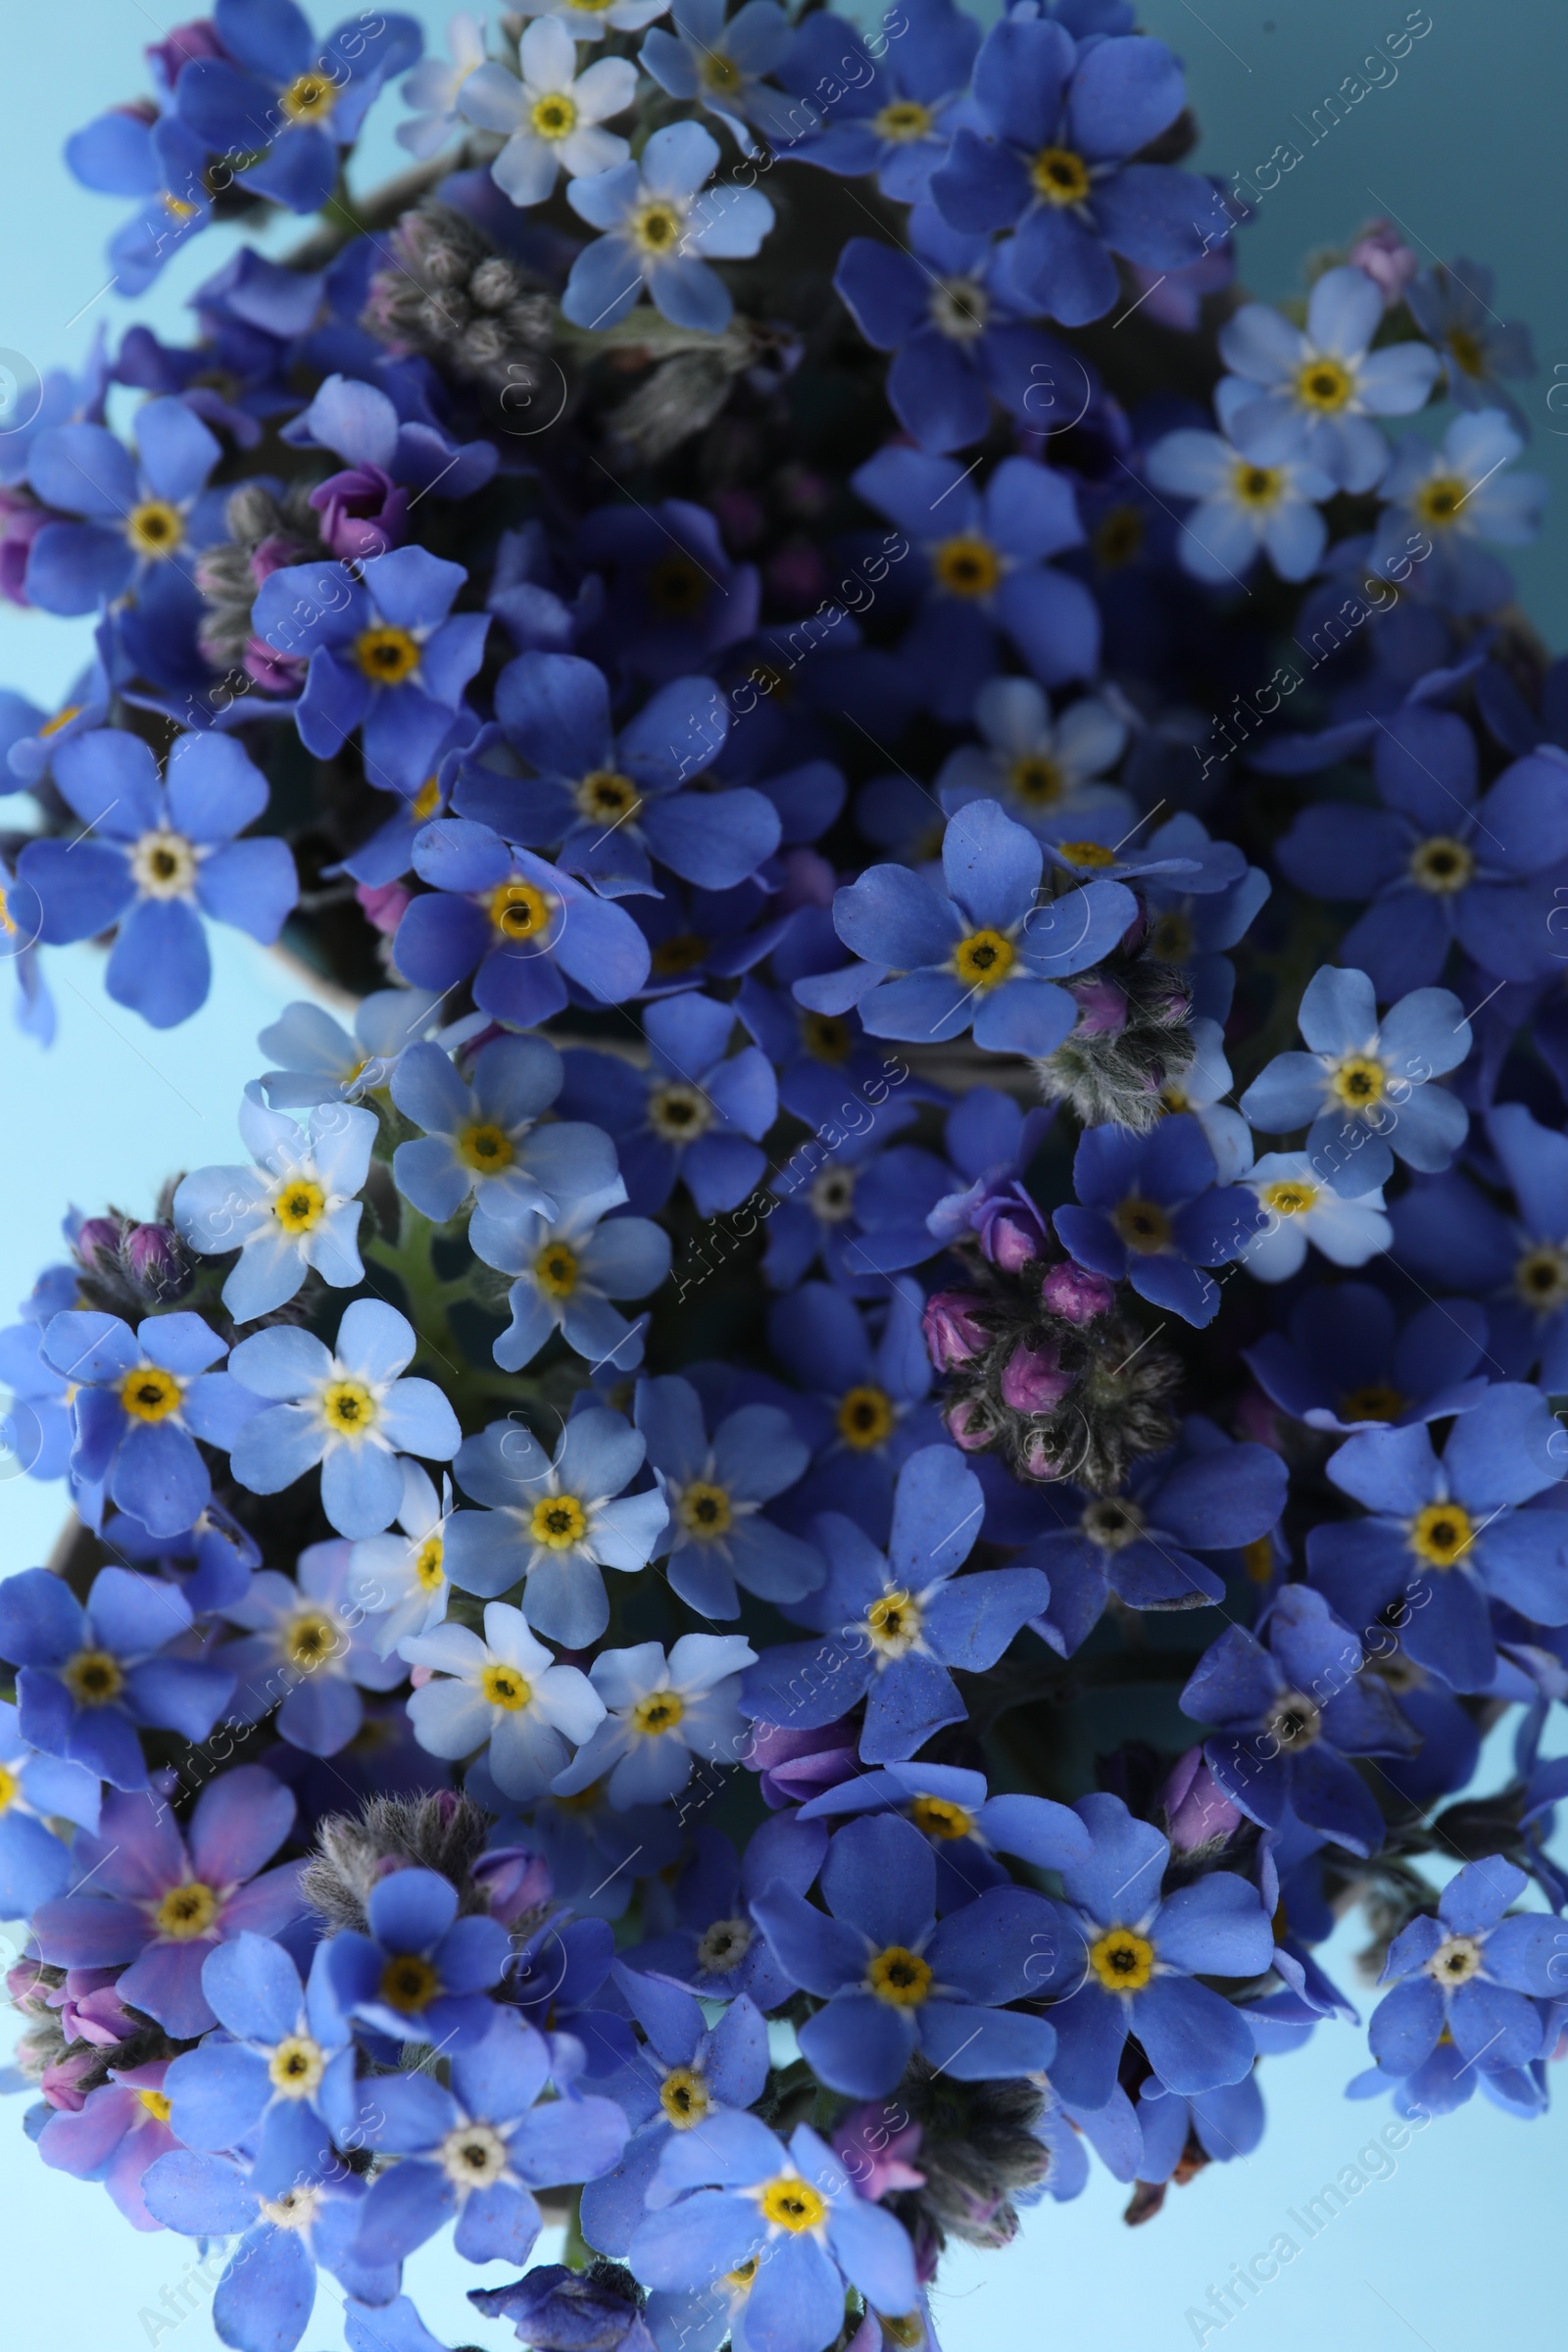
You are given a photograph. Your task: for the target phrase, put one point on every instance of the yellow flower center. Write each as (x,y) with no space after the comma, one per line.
(295,2066)
(656,227)
(154,528)
(674,956)
(1374,1402)
(558,1521)
(984,959)
(903,119)
(347,1407)
(299,1205)
(828,1037)
(1257,485)
(679,1114)
(1468,352)
(865,1417)
(659,1711)
(427,1569)
(9,1789)
(158,2105)
(741,2277)
(1441,865)
(555,117)
(1359,1082)
(186,1912)
(893,1625)
(1118,538)
(555,1270)
(1290,1197)
(519,911)
(899,1978)
(604,797)
(505,1687)
(61,718)
(93,1678)
(705,1512)
(789,2203)
(1324,384)
(486,1150)
(1257,1558)
(310,1638)
(676,587)
(1171,940)
(386,656)
(1143,1225)
(1085,852)
(309,98)
(683,2095)
(1036,779)
(1060,176)
(409,1984)
(966,565)
(150,1394)
(941,1819)
(163,864)
(1438,500)
(1540,1278)
(1441,1534)
(1122,1960)
(720,74)
(427,799)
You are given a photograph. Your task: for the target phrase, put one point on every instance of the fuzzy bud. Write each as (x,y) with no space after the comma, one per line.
(98,1243)
(1196,1811)
(1037,1459)
(1101,1006)
(1077,1296)
(953,1334)
(1011,1229)
(157,1262)
(969,1425)
(1033,1379)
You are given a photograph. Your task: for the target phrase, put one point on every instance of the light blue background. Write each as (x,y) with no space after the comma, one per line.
(1461,2245)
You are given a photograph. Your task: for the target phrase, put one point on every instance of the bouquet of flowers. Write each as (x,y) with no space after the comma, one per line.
(879,1423)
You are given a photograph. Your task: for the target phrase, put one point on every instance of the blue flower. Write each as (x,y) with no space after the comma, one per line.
(556,1975)
(1227,2123)
(360,423)
(1062,121)
(322,1063)
(548,113)
(965,1827)
(1140,1544)
(483,1141)
(307,1652)
(1318,389)
(987,555)
(345,1409)
(284,2045)
(892,1625)
(1043,771)
(608,803)
(1345,1364)
(132,519)
(1152,1215)
(36,1865)
(1363,1080)
(89,1674)
(1472,1973)
(660,1716)
(143,1400)
(1246,505)
(280,106)
(684,2074)
(793,2211)
(1456,496)
(862,1207)
(1518,1265)
(296,1211)
(568,1268)
(157,857)
(552,1525)
(985,953)
(1189,928)
(1444,1536)
(1439,865)
(721,66)
(692,1115)
(505,1695)
(675,596)
(866,1384)
(518,924)
(400,1579)
(163,162)
(1452,306)
(894,117)
(1134,1961)
(720,1543)
(658,229)
(1289,1714)
(421,1973)
(477,2152)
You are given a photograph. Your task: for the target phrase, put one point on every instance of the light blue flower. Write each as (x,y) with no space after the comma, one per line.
(1458,496)
(306,1652)
(348,1411)
(143,1400)
(133,518)
(283,2045)
(401,1579)
(1304,1209)
(552,1525)
(1364,1091)
(722,67)
(321,1062)
(505,1695)
(297,1211)
(432,88)
(36,1865)
(719,1539)
(551,117)
(568,1268)
(657,228)
(1317,391)
(663,1715)
(1246,506)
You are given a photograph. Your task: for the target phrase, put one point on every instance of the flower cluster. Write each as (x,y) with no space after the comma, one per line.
(871,1154)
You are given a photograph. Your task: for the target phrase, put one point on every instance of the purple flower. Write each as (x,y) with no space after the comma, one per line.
(163,1905)
(117,2131)
(362,512)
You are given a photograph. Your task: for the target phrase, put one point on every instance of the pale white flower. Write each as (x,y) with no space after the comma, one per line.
(401,1578)
(551,115)
(433,86)
(663,1714)
(1302,1207)
(1039,768)
(1202,1090)
(506,1690)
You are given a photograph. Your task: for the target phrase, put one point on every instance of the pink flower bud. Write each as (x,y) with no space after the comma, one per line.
(1388,261)
(383,904)
(1101,1008)
(967,1425)
(156,1260)
(1011,1229)
(516,1880)
(953,1336)
(98,1243)
(1196,1811)
(60,2082)
(797,1765)
(274,673)
(1039,1460)
(1033,1379)
(872,2143)
(1076,1294)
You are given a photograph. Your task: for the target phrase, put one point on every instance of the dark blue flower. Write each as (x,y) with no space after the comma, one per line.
(1192,930)
(163,164)
(899,97)
(719,1543)
(1152,1215)
(143,1399)
(714,1948)
(91,1674)
(1445,1534)
(893,1624)
(1448,1231)
(675,597)
(1290,1713)
(1344,1363)
(420,1973)
(1439,867)
(986,553)
(159,855)
(1061,119)
(1470,1973)
(868,1380)
(965,1826)
(694,1115)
